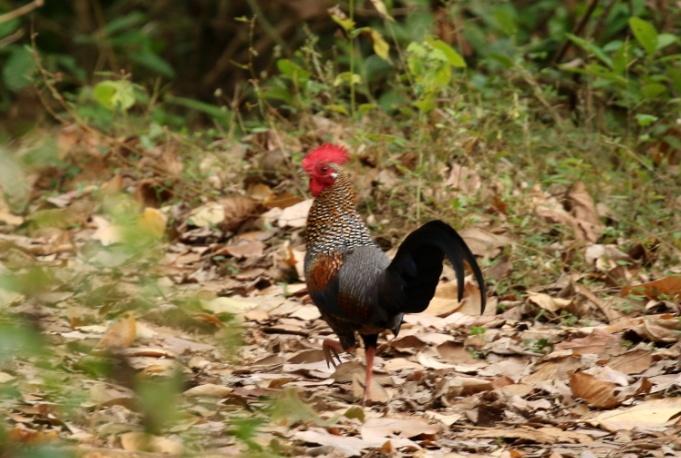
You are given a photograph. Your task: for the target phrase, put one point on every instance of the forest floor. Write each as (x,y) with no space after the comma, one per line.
(138,324)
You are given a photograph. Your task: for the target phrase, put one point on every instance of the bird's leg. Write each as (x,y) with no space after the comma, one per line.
(331,349)
(369,353)
(370,342)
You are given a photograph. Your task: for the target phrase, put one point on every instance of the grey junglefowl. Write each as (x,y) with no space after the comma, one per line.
(357,288)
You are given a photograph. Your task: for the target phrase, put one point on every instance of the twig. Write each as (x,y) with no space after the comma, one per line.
(267,27)
(9,39)
(539,95)
(576,31)
(21,11)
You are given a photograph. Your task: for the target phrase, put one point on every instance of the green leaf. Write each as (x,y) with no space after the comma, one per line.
(219,113)
(340,18)
(13,183)
(645,34)
(382,10)
(666,39)
(381,47)
(347,78)
(154,62)
(651,90)
(293,71)
(19,68)
(453,57)
(622,58)
(8,27)
(124,22)
(591,48)
(114,95)
(644,120)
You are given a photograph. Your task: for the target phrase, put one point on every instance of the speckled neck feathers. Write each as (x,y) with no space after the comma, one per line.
(333,223)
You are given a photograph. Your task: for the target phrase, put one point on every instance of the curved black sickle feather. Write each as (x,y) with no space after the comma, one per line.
(412,276)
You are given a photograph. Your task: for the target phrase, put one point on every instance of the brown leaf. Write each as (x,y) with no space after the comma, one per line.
(6,216)
(651,415)
(597,393)
(382,429)
(552,304)
(138,442)
(668,286)
(237,210)
(245,249)
(347,445)
(464,178)
(484,243)
(445,301)
(208,390)
(660,328)
(547,435)
(121,334)
(632,362)
(295,215)
(611,314)
(598,342)
(548,207)
(377,393)
(583,208)
(228,213)
(154,221)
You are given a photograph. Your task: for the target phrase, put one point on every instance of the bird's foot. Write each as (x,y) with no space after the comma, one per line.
(331,349)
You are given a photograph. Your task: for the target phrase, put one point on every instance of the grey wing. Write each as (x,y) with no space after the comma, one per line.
(358,289)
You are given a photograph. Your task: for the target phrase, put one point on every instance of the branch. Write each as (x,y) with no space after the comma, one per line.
(21,11)
(576,31)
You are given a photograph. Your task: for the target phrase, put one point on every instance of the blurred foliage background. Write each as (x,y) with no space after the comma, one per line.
(609,63)
(169,104)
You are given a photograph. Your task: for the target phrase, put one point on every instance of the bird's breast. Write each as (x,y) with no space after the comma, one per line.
(321,269)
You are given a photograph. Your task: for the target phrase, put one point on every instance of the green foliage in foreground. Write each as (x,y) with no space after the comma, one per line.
(416,102)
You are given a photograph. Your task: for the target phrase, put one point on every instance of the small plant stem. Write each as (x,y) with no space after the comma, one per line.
(352,61)
(419,169)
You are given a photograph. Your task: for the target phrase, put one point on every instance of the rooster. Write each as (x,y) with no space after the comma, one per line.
(357,288)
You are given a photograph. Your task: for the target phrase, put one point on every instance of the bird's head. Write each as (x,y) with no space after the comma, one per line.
(322,165)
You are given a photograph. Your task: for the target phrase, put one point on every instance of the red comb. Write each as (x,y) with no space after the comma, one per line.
(326,153)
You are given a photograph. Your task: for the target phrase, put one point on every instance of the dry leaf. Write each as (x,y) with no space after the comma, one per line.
(651,415)
(107,395)
(237,210)
(207,215)
(382,10)
(598,342)
(464,178)
(246,249)
(208,390)
(386,428)
(295,215)
(604,257)
(121,334)
(106,232)
(6,216)
(140,442)
(547,435)
(154,221)
(228,213)
(349,446)
(660,328)
(377,393)
(583,208)
(632,362)
(668,286)
(483,243)
(552,304)
(597,393)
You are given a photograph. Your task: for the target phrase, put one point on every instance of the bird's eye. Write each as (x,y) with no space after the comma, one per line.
(325,168)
